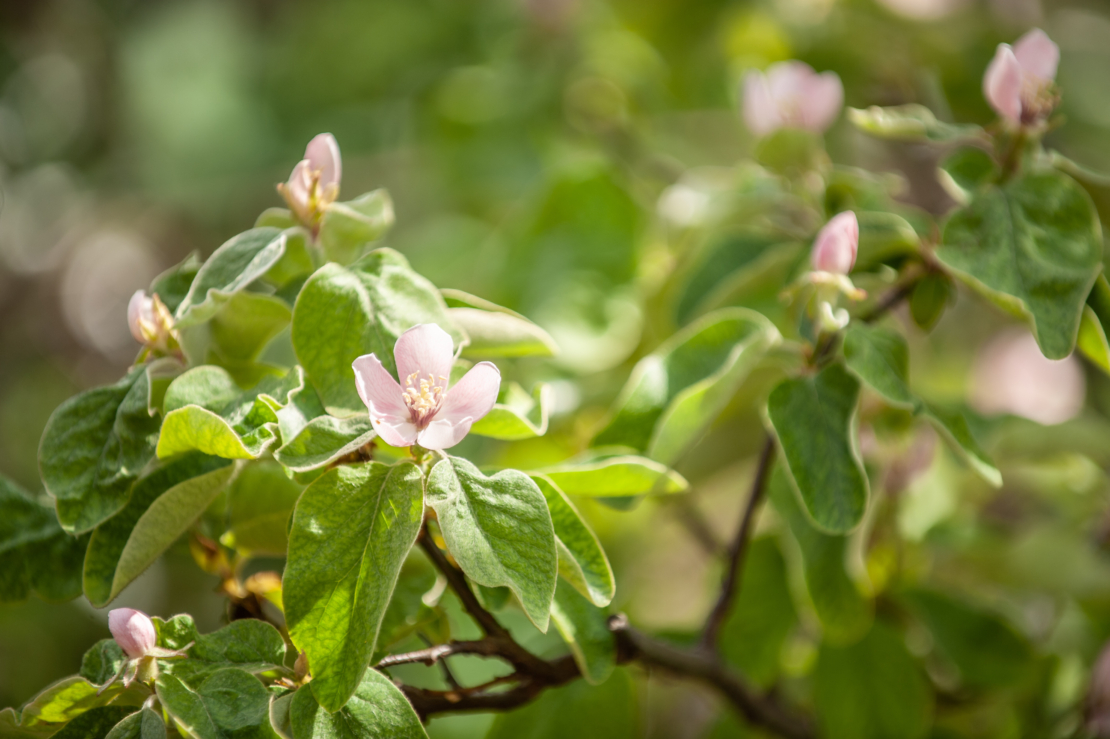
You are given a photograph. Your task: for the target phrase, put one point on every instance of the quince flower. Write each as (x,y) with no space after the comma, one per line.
(314,183)
(834,249)
(135,634)
(791,95)
(425,411)
(151,323)
(833,256)
(1019,82)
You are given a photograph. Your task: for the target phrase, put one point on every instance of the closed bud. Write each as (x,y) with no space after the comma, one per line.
(314,183)
(791,95)
(835,248)
(152,324)
(133,631)
(1019,82)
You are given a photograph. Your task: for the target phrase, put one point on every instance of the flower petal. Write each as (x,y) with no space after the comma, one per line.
(298,190)
(425,349)
(834,249)
(137,309)
(822,102)
(789,81)
(133,631)
(1002,84)
(440,435)
(1038,55)
(323,153)
(473,397)
(389,415)
(760,110)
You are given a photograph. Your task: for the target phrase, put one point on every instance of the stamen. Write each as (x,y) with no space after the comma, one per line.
(423,397)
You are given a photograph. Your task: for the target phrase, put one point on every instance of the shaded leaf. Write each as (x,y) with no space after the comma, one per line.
(615,477)
(517,415)
(259,504)
(228,703)
(246,324)
(582,561)
(237,263)
(323,440)
(585,629)
(248,645)
(36,555)
(911,123)
(348,227)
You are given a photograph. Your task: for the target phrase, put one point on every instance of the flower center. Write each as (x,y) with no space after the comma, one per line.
(423,397)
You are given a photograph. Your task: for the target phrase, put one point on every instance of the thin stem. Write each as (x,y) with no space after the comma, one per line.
(434,653)
(738,548)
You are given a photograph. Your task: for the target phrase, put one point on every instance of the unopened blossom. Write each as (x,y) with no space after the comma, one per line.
(834,249)
(314,183)
(133,631)
(1020,81)
(423,409)
(1012,376)
(791,95)
(151,323)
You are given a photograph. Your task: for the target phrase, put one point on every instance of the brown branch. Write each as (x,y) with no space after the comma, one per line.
(738,548)
(708,668)
(485,647)
(427,703)
(891,298)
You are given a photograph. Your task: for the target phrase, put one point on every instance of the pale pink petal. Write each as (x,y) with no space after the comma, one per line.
(1038,55)
(760,110)
(473,396)
(1002,84)
(323,153)
(425,349)
(133,631)
(822,103)
(834,249)
(298,190)
(138,306)
(389,415)
(789,81)
(440,435)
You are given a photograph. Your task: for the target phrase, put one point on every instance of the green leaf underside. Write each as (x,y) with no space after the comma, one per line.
(910,123)
(844,613)
(615,477)
(377,710)
(323,440)
(343,313)
(585,628)
(260,503)
(95,723)
(228,704)
(94,446)
(237,263)
(352,529)
(582,561)
(348,227)
(1034,246)
(102,661)
(162,506)
(172,286)
(1092,340)
(812,418)
(36,555)
(72,696)
(144,724)
(497,334)
(499,531)
(872,689)
(243,328)
(517,415)
(249,645)
(677,391)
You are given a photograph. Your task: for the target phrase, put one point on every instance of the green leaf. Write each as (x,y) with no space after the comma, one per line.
(238,262)
(884,238)
(812,418)
(36,555)
(144,724)
(615,477)
(70,697)
(872,689)
(792,151)
(957,433)
(582,561)
(297,261)
(502,333)
(343,313)
(163,505)
(911,123)
(323,440)
(96,723)
(757,627)
(517,415)
(844,613)
(1078,171)
(94,446)
(881,358)
(173,285)
(930,298)
(377,710)
(986,650)
(248,645)
(348,227)
(351,531)
(407,611)
(279,715)
(102,662)
(1033,246)
(276,218)
(1092,340)
(965,171)
(246,324)
(499,531)
(260,502)
(229,704)
(585,629)
(676,392)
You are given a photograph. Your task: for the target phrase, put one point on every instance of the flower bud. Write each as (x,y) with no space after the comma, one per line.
(791,95)
(151,323)
(140,314)
(133,631)
(313,184)
(834,249)
(1019,82)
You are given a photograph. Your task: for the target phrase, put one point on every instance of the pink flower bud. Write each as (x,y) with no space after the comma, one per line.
(314,182)
(133,631)
(140,312)
(834,249)
(1018,83)
(791,95)
(322,154)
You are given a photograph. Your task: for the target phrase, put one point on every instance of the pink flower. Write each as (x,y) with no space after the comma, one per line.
(140,316)
(151,323)
(425,412)
(133,631)
(1012,376)
(314,182)
(791,95)
(834,249)
(1018,83)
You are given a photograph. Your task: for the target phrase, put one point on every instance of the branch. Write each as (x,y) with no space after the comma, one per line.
(427,703)
(738,548)
(891,298)
(485,647)
(711,670)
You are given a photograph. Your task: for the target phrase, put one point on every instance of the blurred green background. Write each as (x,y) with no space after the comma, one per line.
(526,144)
